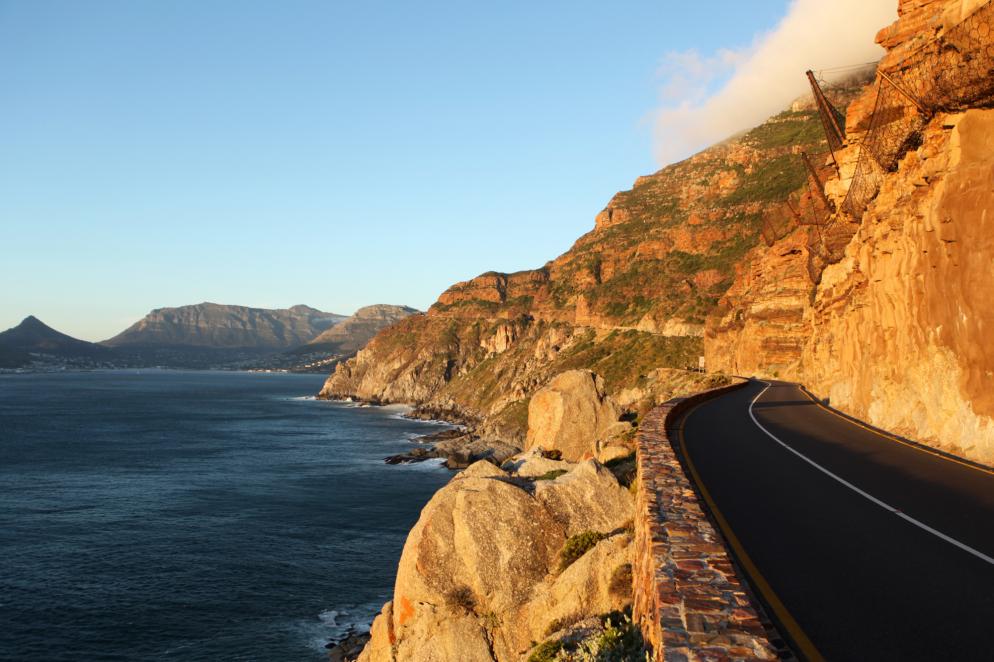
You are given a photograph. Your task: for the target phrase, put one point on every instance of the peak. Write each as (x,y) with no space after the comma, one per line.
(32,321)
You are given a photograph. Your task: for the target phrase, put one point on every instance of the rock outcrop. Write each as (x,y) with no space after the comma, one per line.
(890,322)
(571,414)
(630,297)
(481,576)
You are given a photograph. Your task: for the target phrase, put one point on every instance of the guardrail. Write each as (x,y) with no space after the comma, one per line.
(687,597)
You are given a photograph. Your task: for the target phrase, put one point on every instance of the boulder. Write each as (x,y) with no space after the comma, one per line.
(570,414)
(380,646)
(589,498)
(478,578)
(533,463)
(465,559)
(586,587)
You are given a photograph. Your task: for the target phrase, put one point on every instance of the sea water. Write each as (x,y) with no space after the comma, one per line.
(162,515)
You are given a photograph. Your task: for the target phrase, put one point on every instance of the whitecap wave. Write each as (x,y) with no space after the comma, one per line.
(431,464)
(335,624)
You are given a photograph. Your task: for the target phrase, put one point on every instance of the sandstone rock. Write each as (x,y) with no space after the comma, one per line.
(380,645)
(437,634)
(888,317)
(477,578)
(532,463)
(570,414)
(612,452)
(465,555)
(585,587)
(588,498)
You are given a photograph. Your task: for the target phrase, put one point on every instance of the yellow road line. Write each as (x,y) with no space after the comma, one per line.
(797,635)
(892,437)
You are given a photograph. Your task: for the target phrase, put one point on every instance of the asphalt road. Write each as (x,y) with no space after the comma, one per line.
(889,558)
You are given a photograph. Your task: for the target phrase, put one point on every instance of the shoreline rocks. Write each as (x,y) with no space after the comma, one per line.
(458,448)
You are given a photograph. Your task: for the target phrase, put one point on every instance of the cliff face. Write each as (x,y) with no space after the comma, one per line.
(901,325)
(889,320)
(215,325)
(629,297)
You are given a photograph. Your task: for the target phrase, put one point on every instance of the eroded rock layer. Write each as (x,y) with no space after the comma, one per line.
(891,322)
(629,298)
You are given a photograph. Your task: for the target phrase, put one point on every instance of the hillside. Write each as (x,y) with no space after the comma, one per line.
(630,297)
(883,308)
(350,335)
(336,343)
(32,340)
(218,326)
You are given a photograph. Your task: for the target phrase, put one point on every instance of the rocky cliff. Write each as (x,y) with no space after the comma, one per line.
(886,314)
(739,253)
(467,589)
(218,326)
(630,297)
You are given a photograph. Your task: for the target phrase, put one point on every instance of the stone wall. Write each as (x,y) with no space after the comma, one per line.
(687,598)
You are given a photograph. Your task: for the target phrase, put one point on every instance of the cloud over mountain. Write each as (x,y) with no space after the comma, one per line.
(707,98)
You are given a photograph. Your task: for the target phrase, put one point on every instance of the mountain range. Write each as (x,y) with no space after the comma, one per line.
(219,326)
(34,337)
(206,335)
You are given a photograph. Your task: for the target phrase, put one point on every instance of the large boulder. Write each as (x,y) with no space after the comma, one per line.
(588,498)
(570,414)
(479,576)
(587,587)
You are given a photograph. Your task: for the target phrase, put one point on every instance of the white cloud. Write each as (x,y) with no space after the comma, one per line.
(764,78)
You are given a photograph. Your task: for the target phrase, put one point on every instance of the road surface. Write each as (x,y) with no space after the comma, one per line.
(861,547)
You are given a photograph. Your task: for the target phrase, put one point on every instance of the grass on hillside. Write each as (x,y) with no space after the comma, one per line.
(623,356)
(788,129)
(772,181)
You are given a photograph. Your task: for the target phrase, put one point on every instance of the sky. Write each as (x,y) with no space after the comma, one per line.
(336,154)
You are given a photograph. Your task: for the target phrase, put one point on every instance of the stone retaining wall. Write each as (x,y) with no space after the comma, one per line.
(688,600)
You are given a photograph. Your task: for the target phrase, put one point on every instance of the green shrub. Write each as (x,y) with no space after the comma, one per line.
(621,640)
(461,596)
(563,623)
(621,581)
(578,545)
(546,651)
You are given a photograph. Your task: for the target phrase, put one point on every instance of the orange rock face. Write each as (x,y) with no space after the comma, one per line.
(629,297)
(887,316)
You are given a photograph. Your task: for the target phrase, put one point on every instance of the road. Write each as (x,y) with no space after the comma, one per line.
(862,547)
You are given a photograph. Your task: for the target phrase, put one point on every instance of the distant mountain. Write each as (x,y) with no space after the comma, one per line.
(34,337)
(337,343)
(218,326)
(351,335)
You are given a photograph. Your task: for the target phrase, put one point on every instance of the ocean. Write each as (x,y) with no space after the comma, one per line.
(166,515)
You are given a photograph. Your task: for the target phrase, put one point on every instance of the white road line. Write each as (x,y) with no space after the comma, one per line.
(870,497)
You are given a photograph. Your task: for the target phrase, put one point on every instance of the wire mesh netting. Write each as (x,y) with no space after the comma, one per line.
(954,72)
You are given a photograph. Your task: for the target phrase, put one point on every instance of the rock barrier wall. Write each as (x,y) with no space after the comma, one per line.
(687,598)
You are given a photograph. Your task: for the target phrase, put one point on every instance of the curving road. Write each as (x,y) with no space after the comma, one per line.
(862,547)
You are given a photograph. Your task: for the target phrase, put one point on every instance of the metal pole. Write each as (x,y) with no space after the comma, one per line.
(823,105)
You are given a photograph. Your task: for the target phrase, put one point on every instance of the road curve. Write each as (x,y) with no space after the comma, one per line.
(861,547)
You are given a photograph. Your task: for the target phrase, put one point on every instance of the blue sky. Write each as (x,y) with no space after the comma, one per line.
(336,154)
